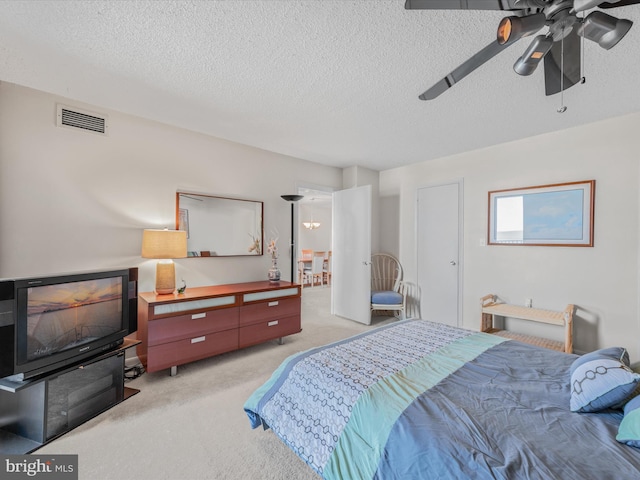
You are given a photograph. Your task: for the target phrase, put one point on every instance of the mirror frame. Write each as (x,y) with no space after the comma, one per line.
(254,243)
(560,206)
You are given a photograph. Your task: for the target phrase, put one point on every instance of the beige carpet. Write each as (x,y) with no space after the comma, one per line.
(192,426)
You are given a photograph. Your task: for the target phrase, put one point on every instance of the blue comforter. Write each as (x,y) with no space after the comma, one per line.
(417,399)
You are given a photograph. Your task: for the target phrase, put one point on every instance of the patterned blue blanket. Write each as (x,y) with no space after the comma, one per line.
(417,399)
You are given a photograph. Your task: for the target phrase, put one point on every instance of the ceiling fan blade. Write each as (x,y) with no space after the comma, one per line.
(484,55)
(621,3)
(571,67)
(464,5)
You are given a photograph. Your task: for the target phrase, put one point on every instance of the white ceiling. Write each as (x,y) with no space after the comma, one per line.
(331,81)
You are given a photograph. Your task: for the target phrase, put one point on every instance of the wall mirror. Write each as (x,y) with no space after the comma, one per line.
(553,215)
(219,226)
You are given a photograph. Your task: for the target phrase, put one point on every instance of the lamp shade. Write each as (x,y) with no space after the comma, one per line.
(164,243)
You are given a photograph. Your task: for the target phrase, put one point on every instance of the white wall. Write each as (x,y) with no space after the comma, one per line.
(602,281)
(72,201)
(318,239)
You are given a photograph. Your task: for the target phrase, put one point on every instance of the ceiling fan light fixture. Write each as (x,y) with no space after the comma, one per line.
(582,5)
(604,29)
(532,56)
(512,29)
(504,30)
(311,224)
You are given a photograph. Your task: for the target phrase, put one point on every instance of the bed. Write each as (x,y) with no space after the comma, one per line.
(416,399)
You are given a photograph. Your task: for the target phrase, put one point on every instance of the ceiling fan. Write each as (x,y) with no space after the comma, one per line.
(559,46)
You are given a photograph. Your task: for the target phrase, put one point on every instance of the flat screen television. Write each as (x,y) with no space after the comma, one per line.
(60,320)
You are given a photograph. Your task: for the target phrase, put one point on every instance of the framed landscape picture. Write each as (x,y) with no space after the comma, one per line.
(550,215)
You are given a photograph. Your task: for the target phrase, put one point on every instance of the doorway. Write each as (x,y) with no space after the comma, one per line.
(314,233)
(439,254)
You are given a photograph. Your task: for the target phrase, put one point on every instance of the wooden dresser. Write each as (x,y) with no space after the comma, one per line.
(204,321)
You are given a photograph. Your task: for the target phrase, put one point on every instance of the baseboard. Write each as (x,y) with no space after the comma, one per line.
(131,361)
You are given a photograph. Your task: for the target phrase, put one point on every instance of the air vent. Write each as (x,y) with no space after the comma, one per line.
(88,121)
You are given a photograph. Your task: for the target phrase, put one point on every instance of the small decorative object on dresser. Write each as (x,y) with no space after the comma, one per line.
(274,272)
(272,248)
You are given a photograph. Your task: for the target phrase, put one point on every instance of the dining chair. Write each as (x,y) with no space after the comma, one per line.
(317,268)
(327,268)
(304,267)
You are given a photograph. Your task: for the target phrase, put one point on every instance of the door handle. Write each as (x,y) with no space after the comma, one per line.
(452,262)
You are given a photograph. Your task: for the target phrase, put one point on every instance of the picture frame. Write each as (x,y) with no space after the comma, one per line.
(559,214)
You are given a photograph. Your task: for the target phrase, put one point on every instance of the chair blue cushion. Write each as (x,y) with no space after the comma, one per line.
(629,429)
(601,380)
(386,297)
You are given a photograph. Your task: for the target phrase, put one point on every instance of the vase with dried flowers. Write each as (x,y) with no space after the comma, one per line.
(272,249)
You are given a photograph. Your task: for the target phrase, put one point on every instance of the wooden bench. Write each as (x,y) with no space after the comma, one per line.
(491,307)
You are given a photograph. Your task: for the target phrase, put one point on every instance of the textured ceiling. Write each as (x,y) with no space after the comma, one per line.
(331,81)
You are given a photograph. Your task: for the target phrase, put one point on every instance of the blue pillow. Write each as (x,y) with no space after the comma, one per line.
(601,380)
(618,353)
(386,298)
(629,429)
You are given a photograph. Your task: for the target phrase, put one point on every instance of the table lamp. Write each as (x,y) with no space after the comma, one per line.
(164,245)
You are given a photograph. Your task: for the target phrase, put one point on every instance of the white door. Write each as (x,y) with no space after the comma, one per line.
(439,255)
(351,251)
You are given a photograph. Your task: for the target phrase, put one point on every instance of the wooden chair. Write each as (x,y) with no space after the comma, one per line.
(388,292)
(317,268)
(327,268)
(304,267)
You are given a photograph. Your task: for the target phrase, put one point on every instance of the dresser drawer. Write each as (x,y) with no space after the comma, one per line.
(258,312)
(268,330)
(191,349)
(164,330)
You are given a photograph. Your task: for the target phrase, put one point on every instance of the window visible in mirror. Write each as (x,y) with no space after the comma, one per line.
(220,226)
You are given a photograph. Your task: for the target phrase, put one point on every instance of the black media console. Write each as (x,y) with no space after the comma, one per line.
(34,412)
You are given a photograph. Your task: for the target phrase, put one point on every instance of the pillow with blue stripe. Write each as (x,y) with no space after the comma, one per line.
(601,380)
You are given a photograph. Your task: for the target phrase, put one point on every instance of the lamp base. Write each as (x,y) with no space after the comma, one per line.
(165,277)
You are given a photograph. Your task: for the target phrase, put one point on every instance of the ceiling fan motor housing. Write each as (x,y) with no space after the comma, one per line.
(561,19)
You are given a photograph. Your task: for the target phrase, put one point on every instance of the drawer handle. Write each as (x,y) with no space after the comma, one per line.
(198,339)
(271,324)
(196,316)
(273,304)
